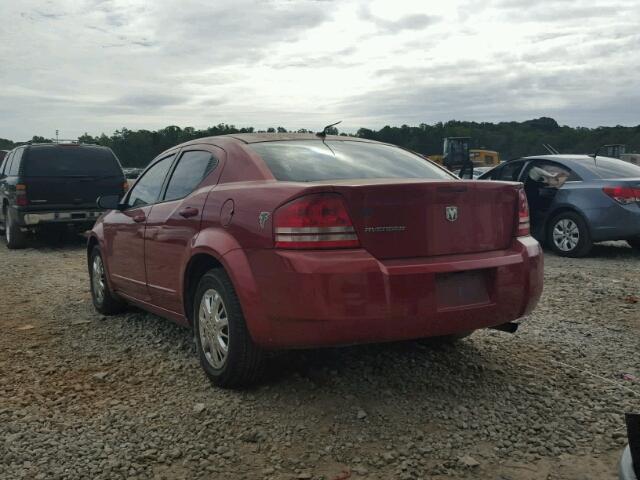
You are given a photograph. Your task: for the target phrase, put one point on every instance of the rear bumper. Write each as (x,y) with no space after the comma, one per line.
(338,297)
(617,222)
(30,219)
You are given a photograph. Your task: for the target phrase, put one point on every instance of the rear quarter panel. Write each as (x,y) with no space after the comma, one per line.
(606,219)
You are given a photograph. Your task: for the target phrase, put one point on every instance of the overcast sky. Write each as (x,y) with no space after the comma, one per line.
(99,65)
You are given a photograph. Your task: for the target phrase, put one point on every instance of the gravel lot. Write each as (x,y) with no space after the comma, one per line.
(84,396)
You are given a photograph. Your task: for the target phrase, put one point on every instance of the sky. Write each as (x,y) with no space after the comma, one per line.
(99,65)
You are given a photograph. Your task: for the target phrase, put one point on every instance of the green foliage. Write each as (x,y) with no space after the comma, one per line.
(39,139)
(6,144)
(510,139)
(136,148)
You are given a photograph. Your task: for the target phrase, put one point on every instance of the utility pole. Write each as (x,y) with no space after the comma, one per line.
(57,141)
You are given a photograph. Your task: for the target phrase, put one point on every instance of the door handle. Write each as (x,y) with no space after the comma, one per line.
(139,218)
(188,212)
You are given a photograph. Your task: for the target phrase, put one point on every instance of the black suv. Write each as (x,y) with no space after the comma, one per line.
(55,185)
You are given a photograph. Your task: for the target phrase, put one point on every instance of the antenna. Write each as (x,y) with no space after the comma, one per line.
(596,154)
(323,133)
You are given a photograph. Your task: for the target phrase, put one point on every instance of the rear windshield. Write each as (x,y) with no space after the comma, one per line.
(313,160)
(608,168)
(70,161)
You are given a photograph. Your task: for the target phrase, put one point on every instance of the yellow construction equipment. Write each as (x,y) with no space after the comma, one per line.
(484,158)
(456,151)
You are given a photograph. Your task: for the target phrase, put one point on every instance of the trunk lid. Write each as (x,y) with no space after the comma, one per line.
(429,218)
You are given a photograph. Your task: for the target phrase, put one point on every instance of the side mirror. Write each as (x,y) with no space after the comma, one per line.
(109,202)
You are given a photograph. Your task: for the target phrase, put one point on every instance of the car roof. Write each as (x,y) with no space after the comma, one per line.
(572,157)
(93,145)
(248,138)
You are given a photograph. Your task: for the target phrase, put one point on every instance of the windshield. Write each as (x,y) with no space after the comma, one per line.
(313,160)
(609,168)
(71,161)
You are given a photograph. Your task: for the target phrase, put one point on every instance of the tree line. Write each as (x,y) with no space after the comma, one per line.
(135,148)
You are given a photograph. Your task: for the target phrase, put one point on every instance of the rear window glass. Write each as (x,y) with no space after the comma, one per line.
(70,161)
(611,168)
(313,160)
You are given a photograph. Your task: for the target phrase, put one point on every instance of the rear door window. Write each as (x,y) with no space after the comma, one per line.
(14,168)
(314,160)
(147,189)
(546,170)
(191,169)
(609,168)
(5,163)
(71,161)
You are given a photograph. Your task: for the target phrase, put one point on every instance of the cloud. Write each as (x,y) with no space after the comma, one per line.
(418,21)
(146,100)
(98,65)
(587,96)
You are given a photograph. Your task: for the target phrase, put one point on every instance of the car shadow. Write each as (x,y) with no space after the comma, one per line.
(55,240)
(614,250)
(391,365)
(606,250)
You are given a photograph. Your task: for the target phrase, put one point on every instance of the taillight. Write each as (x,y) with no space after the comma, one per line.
(21,195)
(314,221)
(523,214)
(623,195)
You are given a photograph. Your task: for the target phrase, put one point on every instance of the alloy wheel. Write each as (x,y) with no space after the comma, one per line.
(98,278)
(566,235)
(213,328)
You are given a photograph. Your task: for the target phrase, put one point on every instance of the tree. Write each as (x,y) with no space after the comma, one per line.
(6,144)
(135,148)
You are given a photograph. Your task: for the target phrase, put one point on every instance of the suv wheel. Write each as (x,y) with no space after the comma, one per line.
(226,351)
(568,235)
(104,301)
(14,237)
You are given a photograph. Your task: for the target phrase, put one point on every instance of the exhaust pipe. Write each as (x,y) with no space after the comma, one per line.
(509,327)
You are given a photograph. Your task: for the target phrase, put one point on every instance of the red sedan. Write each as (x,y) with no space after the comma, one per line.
(269,241)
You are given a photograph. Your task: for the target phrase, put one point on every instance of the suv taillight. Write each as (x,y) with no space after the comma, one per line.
(623,195)
(21,195)
(523,214)
(314,221)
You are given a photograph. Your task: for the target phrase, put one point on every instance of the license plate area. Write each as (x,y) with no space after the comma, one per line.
(461,289)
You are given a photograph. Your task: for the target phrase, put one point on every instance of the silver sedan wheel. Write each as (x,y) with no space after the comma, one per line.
(213,326)
(566,235)
(97,275)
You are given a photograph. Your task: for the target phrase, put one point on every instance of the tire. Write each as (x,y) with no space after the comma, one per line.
(568,235)
(634,243)
(218,322)
(14,237)
(104,300)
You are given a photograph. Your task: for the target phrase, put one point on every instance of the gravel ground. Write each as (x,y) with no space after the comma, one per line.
(83,396)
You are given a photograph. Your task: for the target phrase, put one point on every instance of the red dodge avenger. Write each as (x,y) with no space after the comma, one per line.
(274,241)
